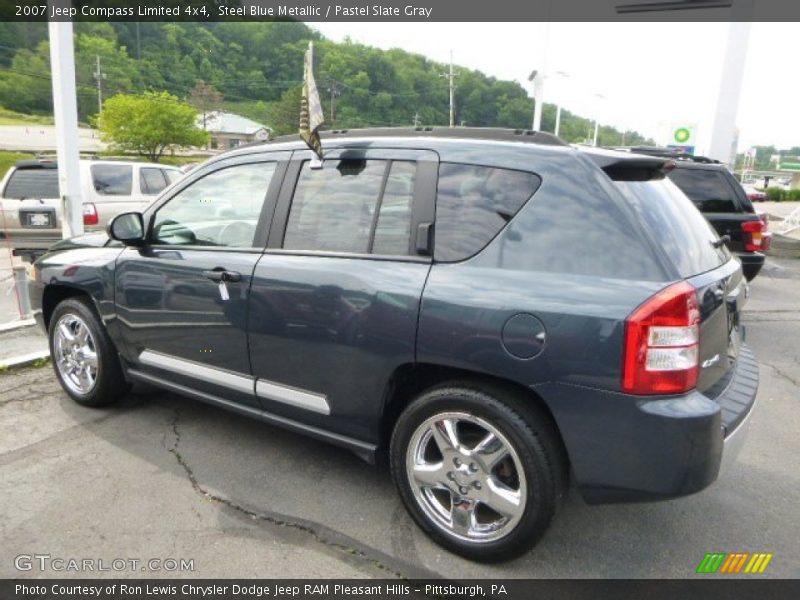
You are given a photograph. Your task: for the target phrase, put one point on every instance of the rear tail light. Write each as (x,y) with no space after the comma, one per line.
(662,340)
(90,214)
(753,235)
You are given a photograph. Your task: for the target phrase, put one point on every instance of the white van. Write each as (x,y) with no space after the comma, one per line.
(30,205)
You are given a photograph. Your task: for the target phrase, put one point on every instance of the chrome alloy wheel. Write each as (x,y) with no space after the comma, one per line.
(75,354)
(466,476)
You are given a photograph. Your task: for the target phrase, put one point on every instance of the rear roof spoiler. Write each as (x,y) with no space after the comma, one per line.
(623,166)
(36,164)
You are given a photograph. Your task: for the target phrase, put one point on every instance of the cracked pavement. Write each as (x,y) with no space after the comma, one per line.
(160,476)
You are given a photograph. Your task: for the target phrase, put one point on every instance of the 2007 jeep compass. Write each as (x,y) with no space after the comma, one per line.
(492,310)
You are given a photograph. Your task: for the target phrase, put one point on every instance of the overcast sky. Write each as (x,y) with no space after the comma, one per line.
(652,75)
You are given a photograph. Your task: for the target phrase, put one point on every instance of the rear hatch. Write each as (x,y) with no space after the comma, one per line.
(691,245)
(30,202)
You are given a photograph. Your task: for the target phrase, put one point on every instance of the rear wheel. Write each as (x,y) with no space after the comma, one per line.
(84,357)
(481,477)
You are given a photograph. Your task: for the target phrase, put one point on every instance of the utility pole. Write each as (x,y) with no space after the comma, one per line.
(416,119)
(99,77)
(65,112)
(451,77)
(333,88)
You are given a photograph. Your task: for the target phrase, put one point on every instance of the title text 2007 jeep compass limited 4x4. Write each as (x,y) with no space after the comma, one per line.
(492,310)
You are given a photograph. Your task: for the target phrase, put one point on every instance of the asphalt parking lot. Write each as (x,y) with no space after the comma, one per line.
(160,476)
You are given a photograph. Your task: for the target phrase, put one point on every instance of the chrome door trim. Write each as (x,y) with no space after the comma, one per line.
(269,390)
(263,388)
(196,370)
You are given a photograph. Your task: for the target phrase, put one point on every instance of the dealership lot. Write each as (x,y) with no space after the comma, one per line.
(162,477)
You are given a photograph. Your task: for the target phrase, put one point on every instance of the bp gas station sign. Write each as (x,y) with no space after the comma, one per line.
(682,138)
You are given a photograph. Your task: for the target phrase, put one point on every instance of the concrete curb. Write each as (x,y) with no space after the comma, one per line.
(17,325)
(23,359)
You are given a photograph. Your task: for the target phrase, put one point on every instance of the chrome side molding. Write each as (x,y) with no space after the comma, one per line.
(289,395)
(263,388)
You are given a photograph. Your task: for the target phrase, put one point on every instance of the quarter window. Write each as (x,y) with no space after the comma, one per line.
(112,180)
(151,180)
(473,205)
(352,205)
(221,209)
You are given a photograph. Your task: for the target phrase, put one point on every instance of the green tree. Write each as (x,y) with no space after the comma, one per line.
(149,124)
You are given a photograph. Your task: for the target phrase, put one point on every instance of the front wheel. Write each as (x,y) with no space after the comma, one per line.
(84,357)
(479,470)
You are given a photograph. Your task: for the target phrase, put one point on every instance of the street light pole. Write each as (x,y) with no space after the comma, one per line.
(597,121)
(558,105)
(65,112)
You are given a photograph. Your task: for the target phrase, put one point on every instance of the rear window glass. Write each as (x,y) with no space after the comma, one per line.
(683,233)
(32,183)
(112,180)
(473,205)
(707,189)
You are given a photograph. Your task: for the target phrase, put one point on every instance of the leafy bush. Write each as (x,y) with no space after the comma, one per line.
(776,194)
(792,195)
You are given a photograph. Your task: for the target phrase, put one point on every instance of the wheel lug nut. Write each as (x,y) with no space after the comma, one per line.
(456,462)
(477,485)
(449,474)
(463,490)
(473,467)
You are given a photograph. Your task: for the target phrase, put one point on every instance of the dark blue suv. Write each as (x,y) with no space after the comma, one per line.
(493,312)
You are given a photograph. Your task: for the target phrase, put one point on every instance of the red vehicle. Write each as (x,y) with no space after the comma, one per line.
(754,194)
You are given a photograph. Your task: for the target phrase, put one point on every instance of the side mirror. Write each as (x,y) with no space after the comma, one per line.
(127,228)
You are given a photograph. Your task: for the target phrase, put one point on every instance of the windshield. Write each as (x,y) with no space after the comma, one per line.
(676,224)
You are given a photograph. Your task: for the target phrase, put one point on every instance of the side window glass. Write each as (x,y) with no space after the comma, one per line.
(151,180)
(333,207)
(707,189)
(473,204)
(221,209)
(112,180)
(171,175)
(393,227)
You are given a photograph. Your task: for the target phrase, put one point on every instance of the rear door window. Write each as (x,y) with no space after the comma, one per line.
(473,205)
(151,180)
(683,233)
(707,189)
(32,183)
(112,180)
(352,205)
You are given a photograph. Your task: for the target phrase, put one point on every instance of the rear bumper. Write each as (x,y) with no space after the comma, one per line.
(629,449)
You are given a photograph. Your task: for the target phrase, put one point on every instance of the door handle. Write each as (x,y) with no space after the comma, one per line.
(221,275)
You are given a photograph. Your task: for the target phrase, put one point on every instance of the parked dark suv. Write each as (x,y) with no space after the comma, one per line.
(723,201)
(489,310)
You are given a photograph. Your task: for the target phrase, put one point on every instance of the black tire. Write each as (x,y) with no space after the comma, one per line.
(109,385)
(528,429)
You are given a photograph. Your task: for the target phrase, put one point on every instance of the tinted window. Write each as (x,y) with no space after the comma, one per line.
(683,233)
(393,228)
(32,183)
(474,203)
(707,189)
(221,209)
(112,180)
(334,208)
(172,175)
(151,180)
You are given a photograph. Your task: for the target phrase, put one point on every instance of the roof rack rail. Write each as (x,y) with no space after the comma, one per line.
(474,133)
(667,153)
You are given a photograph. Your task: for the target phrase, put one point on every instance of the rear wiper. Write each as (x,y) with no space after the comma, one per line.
(721,241)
